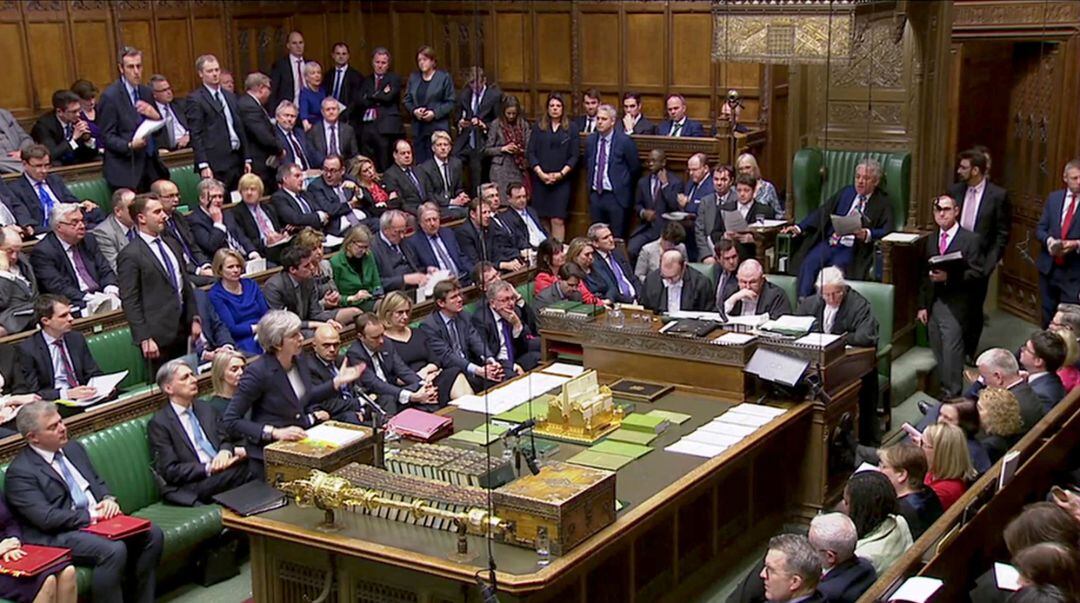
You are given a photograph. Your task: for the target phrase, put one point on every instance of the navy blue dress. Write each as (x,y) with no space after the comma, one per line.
(552,151)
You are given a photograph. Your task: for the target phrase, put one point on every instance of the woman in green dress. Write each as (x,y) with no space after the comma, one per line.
(355,272)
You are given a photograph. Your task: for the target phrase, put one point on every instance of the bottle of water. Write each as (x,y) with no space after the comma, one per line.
(543,547)
(615,317)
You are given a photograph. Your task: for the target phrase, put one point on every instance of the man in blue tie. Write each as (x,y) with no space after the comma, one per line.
(129,162)
(612,164)
(193,457)
(38,191)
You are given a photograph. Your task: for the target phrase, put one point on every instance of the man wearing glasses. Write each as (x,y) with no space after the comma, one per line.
(335,193)
(68,263)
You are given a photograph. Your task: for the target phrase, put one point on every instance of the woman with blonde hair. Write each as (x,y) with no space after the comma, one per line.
(355,271)
(239,301)
(949,462)
(395,312)
(225,373)
(1066,323)
(373,197)
(764,191)
(311,95)
(999,418)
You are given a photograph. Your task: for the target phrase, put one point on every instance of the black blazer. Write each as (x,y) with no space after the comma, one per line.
(179,231)
(327,199)
(27,196)
(667,201)
(409,196)
(393,266)
(844,583)
(602,277)
(210,130)
(161,137)
(878,217)
(14,205)
(37,365)
(282,295)
(484,323)
(262,142)
(497,243)
(1049,389)
(854,317)
(488,110)
(317,142)
(118,120)
(757,210)
(642,127)
(49,131)
(266,394)
(516,223)
(290,212)
(697,293)
(39,497)
(442,347)
(209,239)
(350,91)
(385,100)
(434,188)
(151,305)
(55,274)
(341,406)
(991,223)
(175,459)
(772,301)
(730,287)
(956,291)
(426,257)
(283,80)
(11,368)
(399,375)
(246,223)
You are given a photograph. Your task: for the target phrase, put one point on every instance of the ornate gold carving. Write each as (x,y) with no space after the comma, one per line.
(781,38)
(882,114)
(878,60)
(1017,14)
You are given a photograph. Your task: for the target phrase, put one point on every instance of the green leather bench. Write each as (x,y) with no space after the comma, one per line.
(121,455)
(96,190)
(114,352)
(811,188)
(187,180)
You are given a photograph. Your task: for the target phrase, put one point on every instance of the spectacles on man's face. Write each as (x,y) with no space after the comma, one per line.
(78,222)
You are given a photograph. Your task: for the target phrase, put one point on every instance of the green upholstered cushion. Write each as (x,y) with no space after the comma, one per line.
(96,190)
(185,178)
(880,297)
(787,283)
(121,455)
(184,527)
(114,351)
(811,189)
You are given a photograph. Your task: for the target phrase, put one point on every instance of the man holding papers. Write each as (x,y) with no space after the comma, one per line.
(736,217)
(193,459)
(55,492)
(56,361)
(756,295)
(675,286)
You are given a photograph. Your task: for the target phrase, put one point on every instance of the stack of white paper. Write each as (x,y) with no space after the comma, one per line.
(917,589)
(901,237)
(105,385)
(691,314)
(692,448)
(704,436)
(1006,576)
(331,242)
(733,339)
(789,324)
(254,266)
(748,321)
(433,279)
(331,434)
(757,409)
(738,418)
(511,395)
(719,427)
(564,369)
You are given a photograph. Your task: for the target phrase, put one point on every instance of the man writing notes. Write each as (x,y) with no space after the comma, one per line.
(756,295)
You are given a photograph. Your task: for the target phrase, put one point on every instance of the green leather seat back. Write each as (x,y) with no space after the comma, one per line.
(787,283)
(121,455)
(811,189)
(880,297)
(187,180)
(96,190)
(114,352)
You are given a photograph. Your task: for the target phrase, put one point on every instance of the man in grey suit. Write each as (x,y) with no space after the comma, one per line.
(293,289)
(12,139)
(709,210)
(332,136)
(756,295)
(117,230)
(676,284)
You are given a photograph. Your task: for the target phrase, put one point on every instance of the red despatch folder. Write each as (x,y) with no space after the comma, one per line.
(37,560)
(419,425)
(119,527)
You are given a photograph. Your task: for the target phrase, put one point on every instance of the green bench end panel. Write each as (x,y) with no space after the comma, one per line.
(114,351)
(96,190)
(121,455)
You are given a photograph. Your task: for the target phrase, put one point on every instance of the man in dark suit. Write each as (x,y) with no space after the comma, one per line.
(196,264)
(853,253)
(292,139)
(387,377)
(12,210)
(193,457)
(792,570)
(1041,356)
(503,330)
(399,267)
(63,132)
(612,276)
(38,191)
(287,73)
(403,181)
(56,361)
(455,343)
(320,363)
(259,222)
(522,220)
(117,230)
(838,309)
(565,288)
(984,211)
(342,81)
(676,286)
(67,262)
(751,211)
(590,103)
(633,121)
(436,247)
(176,134)
(708,211)
(756,295)
(657,194)
(442,177)
(212,228)
(121,109)
(612,165)
(263,145)
(724,277)
(333,135)
(477,106)
(944,296)
(1059,232)
(54,492)
(292,204)
(157,298)
(293,289)
(216,135)
(677,124)
(479,240)
(379,114)
(335,193)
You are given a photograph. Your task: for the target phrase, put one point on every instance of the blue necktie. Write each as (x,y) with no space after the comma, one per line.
(304,207)
(168,264)
(46,203)
(130,234)
(183,244)
(456,338)
(200,435)
(339,76)
(78,497)
(508,337)
(620,278)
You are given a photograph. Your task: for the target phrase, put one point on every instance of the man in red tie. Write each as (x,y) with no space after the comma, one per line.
(944,297)
(1059,233)
(380,117)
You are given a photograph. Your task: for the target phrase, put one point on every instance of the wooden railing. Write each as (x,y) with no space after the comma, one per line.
(89,171)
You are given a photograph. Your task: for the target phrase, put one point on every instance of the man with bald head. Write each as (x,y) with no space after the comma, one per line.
(657,194)
(611,162)
(756,295)
(321,363)
(676,286)
(196,264)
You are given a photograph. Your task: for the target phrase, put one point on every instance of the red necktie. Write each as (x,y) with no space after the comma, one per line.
(1066,223)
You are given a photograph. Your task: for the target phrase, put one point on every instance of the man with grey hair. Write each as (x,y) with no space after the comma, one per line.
(611,277)
(756,295)
(216,135)
(676,286)
(116,230)
(212,227)
(398,265)
(792,570)
(193,457)
(332,136)
(175,135)
(128,162)
(55,492)
(263,145)
(612,166)
(444,177)
(504,332)
(68,263)
(851,252)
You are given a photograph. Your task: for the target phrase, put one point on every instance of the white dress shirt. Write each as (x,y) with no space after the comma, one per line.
(185,423)
(168,258)
(536,236)
(674,295)
(80,482)
(828,318)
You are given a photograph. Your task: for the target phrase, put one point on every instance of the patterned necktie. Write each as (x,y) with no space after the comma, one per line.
(69,369)
(264,224)
(676,129)
(508,339)
(416,183)
(333,140)
(967,221)
(943,243)
(298,151)
(78,497)
(620,278)
(444,257)
(188,254)
(299,83)
(81,270)
(304,207)
(46,203)
(455,338)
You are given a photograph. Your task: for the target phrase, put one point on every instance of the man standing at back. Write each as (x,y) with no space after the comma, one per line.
(1059,232)
(216,135)
(124,105)
(612,166)
(259,132)
(287,73)
(342,82)
(380,94)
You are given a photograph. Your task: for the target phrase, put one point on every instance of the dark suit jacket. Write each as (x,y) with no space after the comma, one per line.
(667,201)
(350,91)
(955,291)
(281,294)
(854,317)
(425,253)
(513,219)
(697,293)
(772,301)
(385,100)
(11,368)
(118,120)
(434,188)
(37,365)
(398,374)
(183,236)
(690,128)
(290,151)
(991,223)
(1031,405)
(175,459)
(209,239)
(265,393)
(757,210)
(1050,226)
(318,143)
(39,497)
(393,266)
(290,212)
(210,130)
(151,306)
(878,217)
(327,199)
(14,205)
(1049,389)
(484,322)
(161,137)
(844,583)
(341,406)
(246,223)
(439,99)
(55,274)
(497,244)
(642,127)
(442,348)
(283,80)
(602,282)
(730,287)
(259,133)
(26,195)
(488,110)
(409,197)
(622,161)
(49,131)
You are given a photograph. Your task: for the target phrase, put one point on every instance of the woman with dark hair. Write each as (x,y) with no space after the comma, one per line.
(550,257)
(904,465)
(964,414)
(1050,564)
(506,143)
(551,155)
(88,93)
(871,504)
(429,96)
